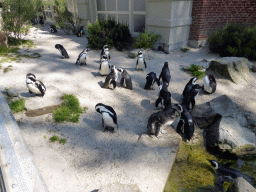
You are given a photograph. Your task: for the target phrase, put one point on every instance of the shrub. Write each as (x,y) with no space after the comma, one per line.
(234,40)
(145,40)
(109,33)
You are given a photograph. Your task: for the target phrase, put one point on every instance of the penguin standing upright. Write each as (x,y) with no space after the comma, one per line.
(189,99)
(189,86)
(104,66)
(35,86)
(151,78)
(109,117)
(53,29)
(111,78)
(164,97)
(140,61)
(227,174)
(165,74)
(82,57)
(62,50)
(187,122)
(105,51)
(126,80)
(79,33)
(209,84)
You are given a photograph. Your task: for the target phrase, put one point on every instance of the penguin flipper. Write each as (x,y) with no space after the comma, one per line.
(100,67)
(193,102)
(179,126)
(40,88)
(145,63)
(137,62)
(158,126)
(122,82)
(158,101)
(102,122)
(114,83)
(108,56)
(157,81)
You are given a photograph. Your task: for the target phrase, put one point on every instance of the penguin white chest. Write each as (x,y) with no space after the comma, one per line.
(33,88)
(108,120)
(60,51)
(104,69)
(207,86)
(140,63)
(82,59)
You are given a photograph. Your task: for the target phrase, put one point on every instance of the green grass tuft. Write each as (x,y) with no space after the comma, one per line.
(69,111)
(54,138)
(62,141)
(7,69)
(17,106)
(45,136)
(195,71)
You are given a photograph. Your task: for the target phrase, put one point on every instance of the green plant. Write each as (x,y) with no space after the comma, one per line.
(62,141)
(197,71)
(54,138)
(184,50)
(70,110)
(145,40)
(7,69)
(234,40)
(17,106)
(109,33)
(45,136)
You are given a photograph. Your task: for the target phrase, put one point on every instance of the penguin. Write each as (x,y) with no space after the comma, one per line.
(126,80)
(82,57)
(189,99)
(186,125)
(109,117)
(35,86)
(165,74)
(157,122)
(151,78)
(140,61)
(189,86)
(104,66)
(79,33)
(164,96)
(53,29)
(111,78)
(62,50)
(209,84)
(227,174)
(105,51)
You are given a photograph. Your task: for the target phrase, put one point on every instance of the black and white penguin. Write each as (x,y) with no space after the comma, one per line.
(165,74)
(209,84)
(164,96)
(53,29)
(227,174)
(140,61)
(79,33)
(105,51)
(35,86)
(111,78)
(62,50)
(151,78)
(109,117)
(157,122)
(189,86)
(126,80)
(82,57)
(186,125)
(189,99)
(104,66)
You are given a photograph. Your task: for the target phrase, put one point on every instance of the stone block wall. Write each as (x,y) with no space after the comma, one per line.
(207,15)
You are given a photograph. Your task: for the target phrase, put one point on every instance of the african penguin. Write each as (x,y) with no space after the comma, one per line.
(151,78)
(35,86)
(165,74)
(157,122)
(104,66)
(82,57)
(209,84)
(164,96)
(111,78)
(62,50)
(227,174)
(109,117)
(79,33)
(126,80)
(189,99)
(105,51)
(186,125)
(53,29)
(140,61)
(189,86)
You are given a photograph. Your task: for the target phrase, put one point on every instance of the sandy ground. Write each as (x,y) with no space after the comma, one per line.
(92,158)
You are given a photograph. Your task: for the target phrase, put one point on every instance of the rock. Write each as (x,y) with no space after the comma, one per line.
(119,187)
(233,68)
(133,54)
(2,88)
(252,66)
(11,92)
(147,54)
(204,63)
(241,185)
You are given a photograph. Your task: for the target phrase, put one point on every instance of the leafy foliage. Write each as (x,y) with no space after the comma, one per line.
(234,40)
(145,40)
(196,71)
(109,33)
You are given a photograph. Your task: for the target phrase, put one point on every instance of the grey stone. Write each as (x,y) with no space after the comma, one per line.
(12,92)
(133,54)
(116,187)
(2,88)
(233,68)
(241,185)
(204,63)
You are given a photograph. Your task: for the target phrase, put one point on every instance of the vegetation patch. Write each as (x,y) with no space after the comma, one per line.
(184,50)
(5,70)
(17,106)
(145,40)
(197,71)
(70,110)
(56,138)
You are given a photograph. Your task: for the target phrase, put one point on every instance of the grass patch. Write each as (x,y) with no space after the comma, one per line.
(17,106)
(7,69)
(196,71)
(62,141)
(54,138)
(184,50)
(70,110)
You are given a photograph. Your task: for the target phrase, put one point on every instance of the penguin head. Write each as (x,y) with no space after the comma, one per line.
(30,75)
(214,163)
(104,57)
(120,69)
(166,64)
(139,53)
(193,80)
(105,47)
(86,50)
(98,107)
(57,46)
(113,68)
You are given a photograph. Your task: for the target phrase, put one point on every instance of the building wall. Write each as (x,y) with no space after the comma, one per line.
(207,15)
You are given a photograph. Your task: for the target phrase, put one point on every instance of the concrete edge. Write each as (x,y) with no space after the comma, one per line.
(19,170)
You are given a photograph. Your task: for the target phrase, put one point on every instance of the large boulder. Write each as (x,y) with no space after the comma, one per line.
(241,185)
(233,68)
